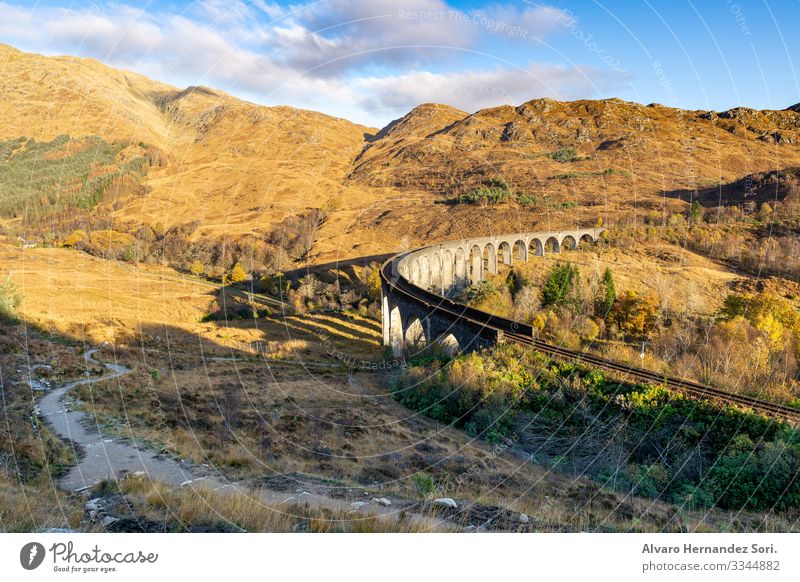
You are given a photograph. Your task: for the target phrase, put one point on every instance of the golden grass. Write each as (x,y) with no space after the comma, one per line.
(35,507)
(184,507)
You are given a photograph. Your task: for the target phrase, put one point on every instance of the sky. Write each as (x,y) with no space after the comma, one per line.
(371,61)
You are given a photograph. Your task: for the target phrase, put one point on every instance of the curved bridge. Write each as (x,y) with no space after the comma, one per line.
(414,317)
(417,310)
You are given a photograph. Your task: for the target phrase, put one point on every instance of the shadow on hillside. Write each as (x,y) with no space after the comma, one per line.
(767,187)
(336,270)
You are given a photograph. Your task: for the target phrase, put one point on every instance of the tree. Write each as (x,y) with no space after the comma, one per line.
(636,315)
(237,274)
(696,212)
(607,294)
(586,328)
(559,284)
(10,300)
(197,268)
(76,237)
(373,282)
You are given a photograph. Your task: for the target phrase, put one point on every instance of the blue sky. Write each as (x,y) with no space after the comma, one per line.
(372,60)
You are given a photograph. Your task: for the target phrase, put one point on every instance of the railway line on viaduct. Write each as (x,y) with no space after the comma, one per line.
(418,309)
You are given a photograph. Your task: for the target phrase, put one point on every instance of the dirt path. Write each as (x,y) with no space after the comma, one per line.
(103,457)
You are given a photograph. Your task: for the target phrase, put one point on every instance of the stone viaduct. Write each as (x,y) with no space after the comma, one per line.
(417,287)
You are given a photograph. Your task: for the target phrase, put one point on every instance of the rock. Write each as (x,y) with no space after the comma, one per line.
(523,518)
(108,520)
(60,530)
(92,504)
(446,502)
(358,504)
(381,501)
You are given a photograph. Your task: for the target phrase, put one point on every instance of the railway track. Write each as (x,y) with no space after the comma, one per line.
(523,334)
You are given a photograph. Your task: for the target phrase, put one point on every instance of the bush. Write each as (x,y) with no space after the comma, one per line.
(75,238)
(567,154)
(485,195)
(197,268)
(423,483)
(758,479)
(480,292)
(10,300)
(586,329)
(528,200)
(664,445)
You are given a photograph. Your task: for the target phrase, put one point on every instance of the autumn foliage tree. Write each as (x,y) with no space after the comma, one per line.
(237,274)
(197,268)
(636,314)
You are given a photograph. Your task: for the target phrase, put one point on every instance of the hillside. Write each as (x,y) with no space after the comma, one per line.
(589,151)
(234,166)
(218,166)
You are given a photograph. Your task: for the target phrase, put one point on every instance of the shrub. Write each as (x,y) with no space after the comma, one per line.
(567,154)
(197,268)
(485,195)
(10,300)
(586,329)
(480,292)
(423,483)
(528,200)
(758,479)
(75,238)
(109,244)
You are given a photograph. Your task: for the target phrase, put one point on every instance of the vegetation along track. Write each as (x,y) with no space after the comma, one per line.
(524,334)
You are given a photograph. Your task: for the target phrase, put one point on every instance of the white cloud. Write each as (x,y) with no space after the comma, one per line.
(531,23)
(476,89)
(363,59)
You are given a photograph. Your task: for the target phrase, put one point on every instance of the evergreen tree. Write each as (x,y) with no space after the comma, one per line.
(607,294)
(696,212)
(559,284)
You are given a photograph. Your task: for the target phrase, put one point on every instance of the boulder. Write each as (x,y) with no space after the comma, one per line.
(109,520)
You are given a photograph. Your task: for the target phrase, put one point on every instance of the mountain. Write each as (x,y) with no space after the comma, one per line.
(229,167)
(234,166)
(652,148)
